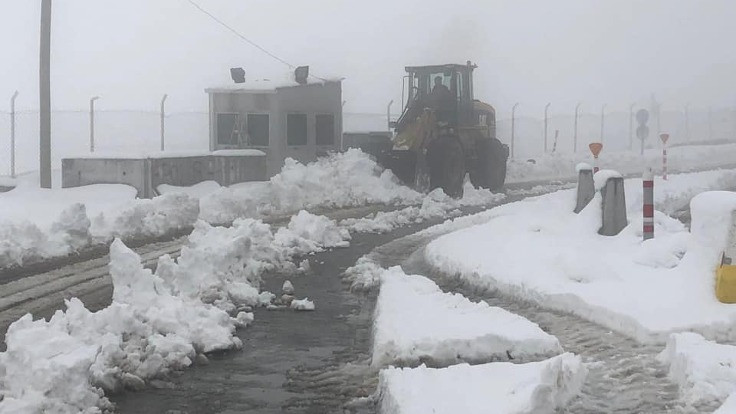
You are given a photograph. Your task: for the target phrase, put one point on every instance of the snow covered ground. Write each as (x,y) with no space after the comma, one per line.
(499,388)
(681,159)
(415,321)
(704,370)
(538,250)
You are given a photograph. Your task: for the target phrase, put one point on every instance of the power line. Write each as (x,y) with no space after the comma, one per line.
(252,43)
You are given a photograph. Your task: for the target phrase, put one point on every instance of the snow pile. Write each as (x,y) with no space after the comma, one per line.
(346,179)
(24,241)
(415,321)
(144,218)
(704,370)
(223,265)
(64,365)
(435,205)
(502,387)
(364,275)
(309,233)
(302,304)
(537,249)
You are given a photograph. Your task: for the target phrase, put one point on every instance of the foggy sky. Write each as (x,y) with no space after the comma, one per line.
(609,51)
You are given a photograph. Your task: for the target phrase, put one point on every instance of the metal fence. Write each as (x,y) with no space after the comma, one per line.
(131,132)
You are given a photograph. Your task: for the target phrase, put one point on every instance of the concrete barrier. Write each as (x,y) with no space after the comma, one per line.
(146,173)
(586,188)
(611,185)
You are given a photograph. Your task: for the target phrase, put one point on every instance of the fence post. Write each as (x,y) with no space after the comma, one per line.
(12,134)
(163,115)
(648,210)
(614,206)
(586,187)
(92,123)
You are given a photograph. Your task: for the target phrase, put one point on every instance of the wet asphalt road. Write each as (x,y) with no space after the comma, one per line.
(292,362)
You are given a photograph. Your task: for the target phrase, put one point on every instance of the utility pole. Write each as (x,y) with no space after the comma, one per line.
(163,116)
(631,126)
(710,123)
(546,107)
(687,122)
(45,95)
(603,118)
(575,133)
(513,127)
(92,123)
(12,134)
(388,115)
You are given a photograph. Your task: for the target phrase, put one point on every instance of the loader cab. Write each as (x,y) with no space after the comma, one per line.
(447,89)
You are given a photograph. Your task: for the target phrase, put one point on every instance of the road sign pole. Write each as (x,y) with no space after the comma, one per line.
(45,96)
(595,148)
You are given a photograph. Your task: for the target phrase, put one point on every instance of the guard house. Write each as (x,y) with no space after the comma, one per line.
(288,119)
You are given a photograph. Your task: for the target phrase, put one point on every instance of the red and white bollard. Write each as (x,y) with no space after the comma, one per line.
(664,138)
(648,180)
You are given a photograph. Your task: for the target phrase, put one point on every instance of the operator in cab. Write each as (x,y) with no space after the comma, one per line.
(441,99)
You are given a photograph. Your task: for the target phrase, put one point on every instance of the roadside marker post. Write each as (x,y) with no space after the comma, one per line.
(648,182)
(595,148)
(586,187)
(664,138)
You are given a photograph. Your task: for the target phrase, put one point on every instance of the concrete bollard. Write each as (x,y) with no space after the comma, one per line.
(586,188)
(648,210)
(614,202)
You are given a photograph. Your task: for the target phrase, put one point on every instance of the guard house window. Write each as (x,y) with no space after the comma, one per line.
(325,129)
(296,129)
(228,129)
(258,130)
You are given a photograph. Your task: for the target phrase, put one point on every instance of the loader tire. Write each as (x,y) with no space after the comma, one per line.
(446,164)
(490,168)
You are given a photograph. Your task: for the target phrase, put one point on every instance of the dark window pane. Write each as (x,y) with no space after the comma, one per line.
(227,129)
(258,129)
(296,129)
(325,129)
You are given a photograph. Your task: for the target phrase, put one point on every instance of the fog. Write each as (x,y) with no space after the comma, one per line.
(533,52)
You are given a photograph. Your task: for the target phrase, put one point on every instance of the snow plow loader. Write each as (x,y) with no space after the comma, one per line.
(444,133)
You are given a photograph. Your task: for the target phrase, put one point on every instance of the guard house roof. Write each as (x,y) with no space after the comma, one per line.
(436,68)
(268,85)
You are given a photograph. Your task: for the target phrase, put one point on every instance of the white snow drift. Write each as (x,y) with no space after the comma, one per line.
(415,321)
(499,388)
(539,250)
(704,370)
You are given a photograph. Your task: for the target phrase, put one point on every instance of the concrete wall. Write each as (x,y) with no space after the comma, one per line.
(312,100)
(146,174)
(76,172)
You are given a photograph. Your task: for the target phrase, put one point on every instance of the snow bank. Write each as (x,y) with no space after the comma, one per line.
(223,265)
(416,322)
(64,365)
(144,218)
(197,190)
(365,275)
(537,387)
(679,159)
(435,205)
(704,370)
(346,179)
(540,251)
